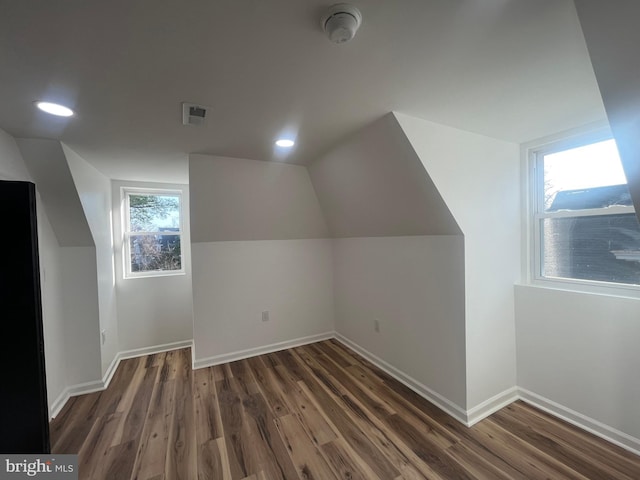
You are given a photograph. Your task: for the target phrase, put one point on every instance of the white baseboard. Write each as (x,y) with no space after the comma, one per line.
(113,366)
(58,403)
(72,391)
(584,422)
(139,352)
(97,386)
(438,400)
(492,405)
(165,347)
(479,412)
(252,352)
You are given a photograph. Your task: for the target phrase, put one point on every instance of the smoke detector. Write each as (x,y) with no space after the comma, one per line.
(341,22)
(193,114)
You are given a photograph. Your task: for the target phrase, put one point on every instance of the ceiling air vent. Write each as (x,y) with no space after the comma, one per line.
(193,114)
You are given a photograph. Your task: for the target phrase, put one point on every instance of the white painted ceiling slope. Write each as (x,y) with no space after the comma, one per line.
(511,69)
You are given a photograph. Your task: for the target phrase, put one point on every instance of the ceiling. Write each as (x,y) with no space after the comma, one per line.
(510,69)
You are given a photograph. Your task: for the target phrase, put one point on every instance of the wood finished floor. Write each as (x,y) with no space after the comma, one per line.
(314,412)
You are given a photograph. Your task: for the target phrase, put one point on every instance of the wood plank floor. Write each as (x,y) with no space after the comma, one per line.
(314,412)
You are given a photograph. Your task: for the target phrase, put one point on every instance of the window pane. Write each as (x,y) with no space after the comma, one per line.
(152,213)
(586,177)
(603,248)
(155,253)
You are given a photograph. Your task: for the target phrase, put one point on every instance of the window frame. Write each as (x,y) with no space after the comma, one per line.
(536,214)
(125,193)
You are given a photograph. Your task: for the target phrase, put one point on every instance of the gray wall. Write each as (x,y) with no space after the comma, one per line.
(238,199)
(612,35)
(373,184)
(48,166)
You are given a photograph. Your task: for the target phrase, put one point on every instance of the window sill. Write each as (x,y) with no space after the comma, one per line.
(155,275)
(589,288)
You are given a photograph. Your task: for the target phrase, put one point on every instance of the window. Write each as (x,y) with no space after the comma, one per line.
(585,227)
(152,233)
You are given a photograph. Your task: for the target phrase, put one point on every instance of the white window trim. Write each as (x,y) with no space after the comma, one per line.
(126,221)
(533,153)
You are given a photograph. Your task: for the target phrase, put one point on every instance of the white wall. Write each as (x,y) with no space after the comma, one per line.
(414,287)
(81,313)
(53,314)
(257,246)
(234,282)
(580,350)
(152,311)
(479,179)
(12,167)
(94,190)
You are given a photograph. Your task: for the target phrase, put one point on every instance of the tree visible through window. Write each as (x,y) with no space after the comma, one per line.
(152,233)
(586,226)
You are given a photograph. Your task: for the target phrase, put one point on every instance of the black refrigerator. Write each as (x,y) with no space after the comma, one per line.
(24,416)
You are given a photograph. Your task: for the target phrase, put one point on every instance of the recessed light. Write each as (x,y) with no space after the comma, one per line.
(54,109)
(285,143)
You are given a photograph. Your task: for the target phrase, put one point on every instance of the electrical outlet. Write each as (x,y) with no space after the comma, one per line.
(376,325)
(265,316)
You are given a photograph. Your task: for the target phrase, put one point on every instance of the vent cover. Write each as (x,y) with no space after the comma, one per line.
(193,114)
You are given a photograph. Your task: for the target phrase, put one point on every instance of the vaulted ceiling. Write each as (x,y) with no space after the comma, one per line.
(511,69)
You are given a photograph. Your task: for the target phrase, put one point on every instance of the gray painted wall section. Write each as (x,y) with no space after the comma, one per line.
(239,199)
(374,185)
(612,35)
(47,163)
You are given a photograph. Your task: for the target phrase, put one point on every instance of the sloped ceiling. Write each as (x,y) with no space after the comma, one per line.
(374,185)
(513,70)
(613,39)
(238,199)
(48,166)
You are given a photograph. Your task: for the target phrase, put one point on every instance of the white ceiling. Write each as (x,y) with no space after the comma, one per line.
(510,69)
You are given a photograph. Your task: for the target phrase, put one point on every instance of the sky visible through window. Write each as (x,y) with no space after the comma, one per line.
(595,165)
(581,237)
